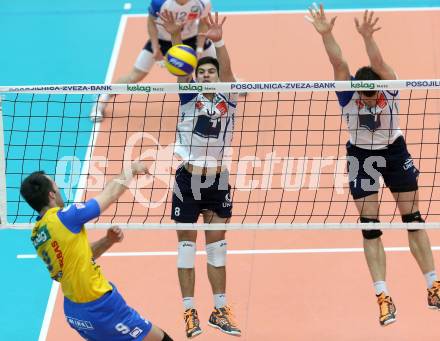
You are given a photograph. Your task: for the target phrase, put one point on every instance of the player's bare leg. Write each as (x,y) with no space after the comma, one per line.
(368,207)
(157,334)
(187,275)
(420,244)
(216,275)
(187,278)
(374,252)
(221,317)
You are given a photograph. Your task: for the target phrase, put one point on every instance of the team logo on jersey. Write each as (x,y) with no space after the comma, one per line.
(381,101)
(136,332)
(222,107)
(194,14)
(80,324)
(199,105)
(40,237)
(227,202)
(409,163)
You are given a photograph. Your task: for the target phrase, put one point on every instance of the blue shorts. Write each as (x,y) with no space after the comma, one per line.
(189,199)
(394,164)
(108,318)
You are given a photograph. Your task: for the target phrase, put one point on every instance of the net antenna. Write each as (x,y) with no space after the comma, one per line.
(287,167)
(3,198)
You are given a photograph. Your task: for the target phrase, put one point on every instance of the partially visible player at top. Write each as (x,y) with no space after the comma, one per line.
(204,135)
(377,148)
(188,14)
(92,305)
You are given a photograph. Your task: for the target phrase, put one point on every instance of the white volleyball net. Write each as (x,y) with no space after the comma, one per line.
(287,166)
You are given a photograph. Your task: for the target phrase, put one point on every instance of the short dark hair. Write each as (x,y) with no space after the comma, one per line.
(366,73)
(208,60)
(35,190)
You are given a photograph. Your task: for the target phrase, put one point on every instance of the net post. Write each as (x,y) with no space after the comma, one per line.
(3,207)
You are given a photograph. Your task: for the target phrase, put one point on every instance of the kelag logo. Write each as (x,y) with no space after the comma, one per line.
(191,87)
(137,87)
(360,85)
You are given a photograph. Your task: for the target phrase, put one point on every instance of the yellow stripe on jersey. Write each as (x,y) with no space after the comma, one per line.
(69,259)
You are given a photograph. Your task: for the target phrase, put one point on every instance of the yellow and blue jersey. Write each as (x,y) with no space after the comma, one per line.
(61,241)
(92,305)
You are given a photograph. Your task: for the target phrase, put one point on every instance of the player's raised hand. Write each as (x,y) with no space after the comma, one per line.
(318,19)
(368,26)
(215,28)
(168,22)
(139,167)
(115,234)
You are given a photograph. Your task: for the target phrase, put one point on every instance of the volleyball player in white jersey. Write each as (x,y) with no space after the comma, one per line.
(377,148)
(188,13)
(204,134)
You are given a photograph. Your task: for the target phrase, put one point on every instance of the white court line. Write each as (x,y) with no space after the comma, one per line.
(305,11)
(83,179)
(49,311)
(246,252)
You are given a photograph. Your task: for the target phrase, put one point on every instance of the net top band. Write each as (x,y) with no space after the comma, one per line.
(162,88)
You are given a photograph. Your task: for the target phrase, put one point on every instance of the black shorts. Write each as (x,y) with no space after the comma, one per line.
(165,45)
(394,164)
(190,196)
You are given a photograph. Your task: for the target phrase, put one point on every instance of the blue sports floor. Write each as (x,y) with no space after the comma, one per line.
(53,42)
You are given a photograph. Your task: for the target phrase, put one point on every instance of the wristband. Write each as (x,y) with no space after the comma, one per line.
(219,43)
(199,49)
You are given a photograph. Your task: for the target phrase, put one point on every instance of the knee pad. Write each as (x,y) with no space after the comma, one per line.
(216,253)
(186,255)
(370,234)
(166,337)
(144,61)
(415,217)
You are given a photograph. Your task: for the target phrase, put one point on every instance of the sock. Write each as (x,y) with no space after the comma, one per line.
(380,286)
(219,300)
(188,303)
(103,101)
(105,97)
(430,278)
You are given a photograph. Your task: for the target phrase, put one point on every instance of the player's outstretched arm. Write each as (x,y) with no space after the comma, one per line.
(324,27)
(114,235)
(172,27)
(215,33)
(366,29)
(114,189)
(202,28)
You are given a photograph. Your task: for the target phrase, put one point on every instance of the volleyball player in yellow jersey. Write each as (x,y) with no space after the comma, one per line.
(92,305)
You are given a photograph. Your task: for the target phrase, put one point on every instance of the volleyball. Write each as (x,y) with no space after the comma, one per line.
(181,60)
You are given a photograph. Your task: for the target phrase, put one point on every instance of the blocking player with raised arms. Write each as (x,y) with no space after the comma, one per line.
(204,135)
(92,305)
(187,13)
(377,148)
